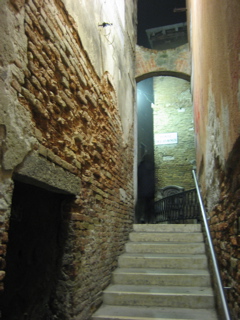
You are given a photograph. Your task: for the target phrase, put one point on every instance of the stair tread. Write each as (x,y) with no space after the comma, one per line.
(183,228)
(151,271)
(167,233)
(163,255)
(160,290)
(160,247)
(168,243)
(148,313)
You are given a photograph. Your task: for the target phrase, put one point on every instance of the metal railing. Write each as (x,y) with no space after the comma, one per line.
(179,207)
(212,251)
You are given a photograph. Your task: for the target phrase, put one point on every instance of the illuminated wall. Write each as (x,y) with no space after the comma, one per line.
(174,148)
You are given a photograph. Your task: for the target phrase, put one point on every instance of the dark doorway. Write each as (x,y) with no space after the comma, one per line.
(37,233)
(145,98)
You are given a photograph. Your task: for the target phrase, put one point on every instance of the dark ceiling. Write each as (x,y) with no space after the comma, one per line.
(157,13)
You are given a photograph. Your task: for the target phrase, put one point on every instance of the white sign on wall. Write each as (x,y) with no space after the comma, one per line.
(165,138)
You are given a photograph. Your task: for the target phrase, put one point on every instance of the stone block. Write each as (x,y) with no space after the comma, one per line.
(51,176)
(16,85)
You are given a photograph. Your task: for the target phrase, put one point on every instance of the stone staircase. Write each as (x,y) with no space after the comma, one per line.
(162,275)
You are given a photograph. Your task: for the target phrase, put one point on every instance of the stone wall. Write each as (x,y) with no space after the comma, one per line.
(173,114)
(214,33)
(58,106)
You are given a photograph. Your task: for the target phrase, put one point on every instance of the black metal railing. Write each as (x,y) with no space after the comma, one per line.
(178,207)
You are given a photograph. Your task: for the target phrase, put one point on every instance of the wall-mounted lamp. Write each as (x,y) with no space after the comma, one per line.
(105,24)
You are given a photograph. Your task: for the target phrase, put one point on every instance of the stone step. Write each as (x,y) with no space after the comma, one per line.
(149,313)
(163,277)
(136,295)
(167,228)
(161,247)
(162,261)
(166,236)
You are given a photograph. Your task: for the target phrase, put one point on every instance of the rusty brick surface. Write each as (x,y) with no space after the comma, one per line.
(77,126)
(224,226)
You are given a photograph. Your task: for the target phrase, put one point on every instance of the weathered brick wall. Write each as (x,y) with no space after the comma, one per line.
(224,226)
(214,41)
(153,62)
(173,113)
(75,123)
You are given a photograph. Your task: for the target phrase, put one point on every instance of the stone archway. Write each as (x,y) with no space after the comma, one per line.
(153,63)
(172,62)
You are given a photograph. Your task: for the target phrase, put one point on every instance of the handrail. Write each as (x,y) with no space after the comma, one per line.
(215,264)
(178,206)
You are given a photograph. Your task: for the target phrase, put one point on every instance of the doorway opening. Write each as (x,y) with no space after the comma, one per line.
(166,129)
(38,232)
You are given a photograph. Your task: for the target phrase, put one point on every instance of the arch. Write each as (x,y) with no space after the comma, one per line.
(172,62)
(180,75)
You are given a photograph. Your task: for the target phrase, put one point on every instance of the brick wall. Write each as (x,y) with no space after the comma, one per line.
(173,113)
(224,226)
(153,62)
(75,124)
